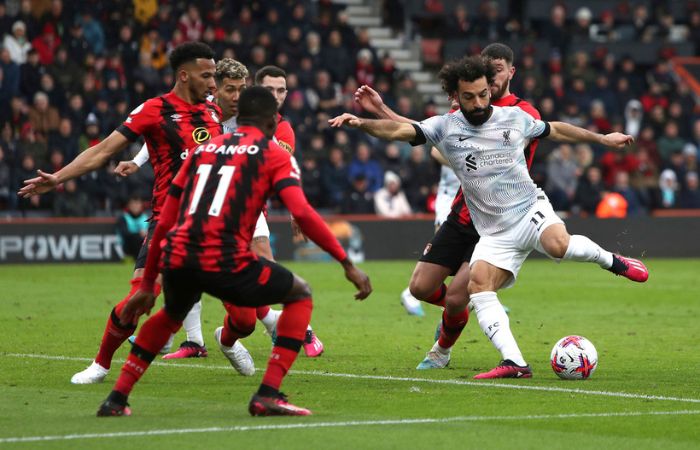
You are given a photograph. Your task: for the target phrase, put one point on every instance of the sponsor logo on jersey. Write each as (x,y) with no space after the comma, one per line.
(176,117)
(470,162)
(200,134)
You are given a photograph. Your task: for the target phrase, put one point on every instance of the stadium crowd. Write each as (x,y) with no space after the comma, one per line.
(70,72)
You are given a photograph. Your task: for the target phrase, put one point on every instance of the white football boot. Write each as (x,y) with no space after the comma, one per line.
(238,355)
(95,373)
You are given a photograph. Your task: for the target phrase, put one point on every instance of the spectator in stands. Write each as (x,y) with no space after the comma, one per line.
(190,24)
(77,45)
(630,71)
(72,202)
(16,42)
(599,117)
(614,161)
(64,139)
(390,200)
(419,175)
(46,44)
(30,145)
(458,23)
(132,226)
(313,187)
(668,187)
(364,164)
(5,19)
(670,142)
(92,132)
(656,119)
(689,196)
(603,92)
(562,177)
(645,179)
(364,68)
(93,32)
(337,61)
(407,88)
(634,116)
(622,187)
(128,48)
(43,117)
(647,142)
(581,28)
(9,77)
(65,71)
(358,199)
(605,30)
(555,32)
(334,178)
(30,75)
(490,25)
(642,24)
(391,159)
(26,169)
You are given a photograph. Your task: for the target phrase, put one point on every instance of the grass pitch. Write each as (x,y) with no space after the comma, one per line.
(364,390)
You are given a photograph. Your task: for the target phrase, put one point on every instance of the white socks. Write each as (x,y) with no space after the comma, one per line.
(441,350)
(270,320)
(193,324)
(585,250)
(495,324)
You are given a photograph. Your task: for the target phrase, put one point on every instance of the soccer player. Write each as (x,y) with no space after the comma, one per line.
(209,216)
(172,125)
(485,145)
(450,250)
(231,80)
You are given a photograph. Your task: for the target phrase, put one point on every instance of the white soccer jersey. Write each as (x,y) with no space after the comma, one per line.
(230,125)
(489,160)
(447,189)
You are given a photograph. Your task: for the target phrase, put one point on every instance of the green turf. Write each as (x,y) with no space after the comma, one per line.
(646,335)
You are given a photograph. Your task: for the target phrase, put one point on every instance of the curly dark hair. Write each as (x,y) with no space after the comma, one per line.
(189,51)
(469,68)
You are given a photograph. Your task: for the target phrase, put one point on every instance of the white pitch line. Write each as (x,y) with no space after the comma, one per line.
(311,425)
(404,379)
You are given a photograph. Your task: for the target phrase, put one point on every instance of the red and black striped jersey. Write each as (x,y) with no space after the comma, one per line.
(222,188)
(171,127)
(285,134)
(459,213)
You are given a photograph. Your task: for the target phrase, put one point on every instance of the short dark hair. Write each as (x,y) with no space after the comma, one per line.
(498,51)
(469,68)
(256,102)
(189,51)
(269,71)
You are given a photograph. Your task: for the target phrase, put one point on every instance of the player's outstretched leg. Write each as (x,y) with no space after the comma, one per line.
(113,337)
(153,335)
(291,329)
(581,248)
(193,347)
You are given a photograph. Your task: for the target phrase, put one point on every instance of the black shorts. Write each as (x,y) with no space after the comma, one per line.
(452,245)
(143,252)
(262,282)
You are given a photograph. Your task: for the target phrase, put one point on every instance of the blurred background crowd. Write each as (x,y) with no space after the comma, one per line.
(70,72)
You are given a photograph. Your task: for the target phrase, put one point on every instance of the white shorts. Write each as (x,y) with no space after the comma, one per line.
(443,206)
(261,228)
(508,249)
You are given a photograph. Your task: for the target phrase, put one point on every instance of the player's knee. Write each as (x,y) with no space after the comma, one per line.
(455,302)
(419,288)
(300,289)
(477,285)
(556,245)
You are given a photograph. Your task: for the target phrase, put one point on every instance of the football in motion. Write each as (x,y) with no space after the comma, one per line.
(574,358)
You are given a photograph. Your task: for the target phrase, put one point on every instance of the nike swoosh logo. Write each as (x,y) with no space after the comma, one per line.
(494,333)
(464,138)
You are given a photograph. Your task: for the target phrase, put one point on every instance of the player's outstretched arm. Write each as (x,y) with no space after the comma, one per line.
(89,160)
(316,229)
(372,102)
(564,132)
(383,129)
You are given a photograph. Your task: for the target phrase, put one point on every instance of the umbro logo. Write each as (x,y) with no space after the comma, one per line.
(470,162)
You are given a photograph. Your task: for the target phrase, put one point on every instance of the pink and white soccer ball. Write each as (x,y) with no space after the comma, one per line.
(574,358)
